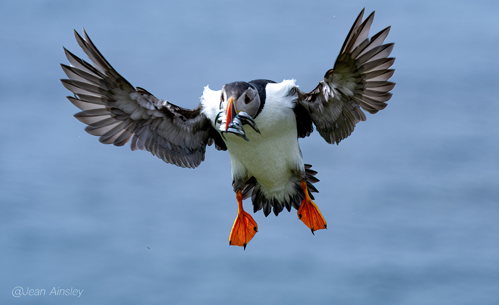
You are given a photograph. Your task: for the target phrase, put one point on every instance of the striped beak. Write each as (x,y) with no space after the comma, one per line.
(235,120)
(231,112)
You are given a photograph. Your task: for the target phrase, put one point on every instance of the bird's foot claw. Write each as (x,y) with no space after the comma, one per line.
(243,230)
(309,213)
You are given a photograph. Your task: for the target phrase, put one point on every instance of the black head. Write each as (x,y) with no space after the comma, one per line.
(239,97)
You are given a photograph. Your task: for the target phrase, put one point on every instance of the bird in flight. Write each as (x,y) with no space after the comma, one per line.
(258,122)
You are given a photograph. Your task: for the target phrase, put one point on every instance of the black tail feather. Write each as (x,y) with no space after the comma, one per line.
(251,188)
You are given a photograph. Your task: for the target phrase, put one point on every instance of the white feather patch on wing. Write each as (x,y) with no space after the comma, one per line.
(278,104)
(211,103)
(280,89)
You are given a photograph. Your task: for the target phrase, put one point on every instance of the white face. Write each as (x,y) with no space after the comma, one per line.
(241,99)
(239,104)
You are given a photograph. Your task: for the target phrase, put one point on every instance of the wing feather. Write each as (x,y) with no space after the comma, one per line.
(116,112)
(359,80)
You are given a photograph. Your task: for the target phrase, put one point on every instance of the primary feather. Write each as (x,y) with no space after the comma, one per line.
(115,111)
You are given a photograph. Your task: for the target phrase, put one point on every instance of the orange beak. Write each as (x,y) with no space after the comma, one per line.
(231,112)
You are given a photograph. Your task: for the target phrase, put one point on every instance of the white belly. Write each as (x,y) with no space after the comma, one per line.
(270,157)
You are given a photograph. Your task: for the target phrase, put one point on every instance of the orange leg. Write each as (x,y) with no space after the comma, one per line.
(309,213)
(244,227)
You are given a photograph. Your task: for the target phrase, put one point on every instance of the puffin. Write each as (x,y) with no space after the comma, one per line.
(259,122)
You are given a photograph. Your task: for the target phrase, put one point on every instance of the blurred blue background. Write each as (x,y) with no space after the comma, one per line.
(411,198)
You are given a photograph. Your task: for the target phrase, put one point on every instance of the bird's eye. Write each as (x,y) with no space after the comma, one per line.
(247,99)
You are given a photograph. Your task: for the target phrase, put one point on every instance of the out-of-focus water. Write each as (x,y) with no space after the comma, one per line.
(411,198)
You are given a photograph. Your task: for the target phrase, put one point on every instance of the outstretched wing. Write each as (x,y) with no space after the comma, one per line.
(358,80)
(115,111)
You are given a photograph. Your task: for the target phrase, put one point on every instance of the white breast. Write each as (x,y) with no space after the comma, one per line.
(273,155)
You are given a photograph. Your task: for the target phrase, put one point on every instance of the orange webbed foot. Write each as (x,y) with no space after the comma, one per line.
(309,213)
(244,227)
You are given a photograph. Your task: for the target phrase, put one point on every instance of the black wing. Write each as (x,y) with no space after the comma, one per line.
(358,80)
(115,111)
